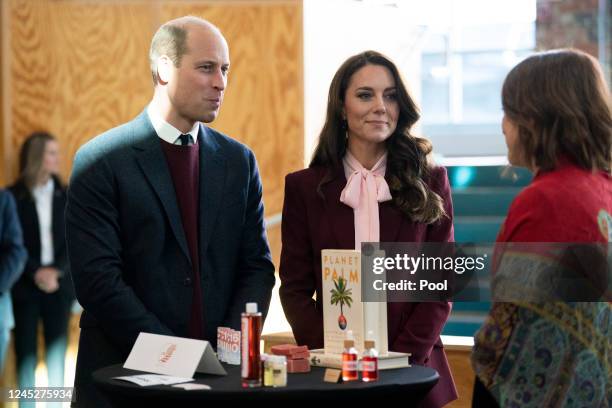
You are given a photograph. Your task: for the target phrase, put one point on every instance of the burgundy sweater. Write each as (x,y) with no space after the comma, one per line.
(184,165)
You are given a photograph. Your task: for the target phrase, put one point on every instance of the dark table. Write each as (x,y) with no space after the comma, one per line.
(409,384)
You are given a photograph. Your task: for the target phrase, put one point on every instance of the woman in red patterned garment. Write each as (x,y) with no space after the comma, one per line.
(531,350)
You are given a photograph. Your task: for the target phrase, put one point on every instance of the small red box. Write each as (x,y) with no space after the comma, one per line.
(301,365)
(299,355)
(287,349)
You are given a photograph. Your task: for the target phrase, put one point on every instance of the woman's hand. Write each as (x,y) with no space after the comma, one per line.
(46,278)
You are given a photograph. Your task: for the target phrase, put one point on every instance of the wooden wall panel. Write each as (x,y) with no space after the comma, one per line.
(263,104)
(79,67)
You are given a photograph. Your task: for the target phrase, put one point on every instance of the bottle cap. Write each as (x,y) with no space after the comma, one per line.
(369,344)
(251,307)
(276,359)
(349,343)
(349,335)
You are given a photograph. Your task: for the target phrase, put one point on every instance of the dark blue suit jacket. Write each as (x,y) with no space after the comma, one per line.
(127,248)
(12,256)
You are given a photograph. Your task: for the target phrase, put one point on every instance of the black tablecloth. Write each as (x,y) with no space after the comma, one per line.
(410,384)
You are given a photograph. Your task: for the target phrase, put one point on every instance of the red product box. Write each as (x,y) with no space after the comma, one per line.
(299,355)
(301,365)
(288,349)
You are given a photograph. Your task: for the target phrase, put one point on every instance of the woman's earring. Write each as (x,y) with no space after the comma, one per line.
(345,126)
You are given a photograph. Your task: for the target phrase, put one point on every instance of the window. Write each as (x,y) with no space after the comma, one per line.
(464,62)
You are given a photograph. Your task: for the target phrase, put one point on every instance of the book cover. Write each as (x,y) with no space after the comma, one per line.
(343,309)
(342,306)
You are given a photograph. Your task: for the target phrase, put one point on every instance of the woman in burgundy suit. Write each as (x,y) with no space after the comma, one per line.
(369,180)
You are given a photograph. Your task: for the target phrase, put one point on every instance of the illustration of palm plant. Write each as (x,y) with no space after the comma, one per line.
(342,295)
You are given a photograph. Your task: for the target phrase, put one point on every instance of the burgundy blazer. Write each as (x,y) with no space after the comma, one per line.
(311,223)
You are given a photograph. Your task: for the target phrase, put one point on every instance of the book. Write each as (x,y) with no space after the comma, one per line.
(343,309)
(228,345)
(318,358)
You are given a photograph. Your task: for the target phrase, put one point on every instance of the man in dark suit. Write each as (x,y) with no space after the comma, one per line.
(165,220)
(12,258)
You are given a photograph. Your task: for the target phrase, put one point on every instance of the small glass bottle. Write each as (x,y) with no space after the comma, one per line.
(369,362)
(267,374)
(275,371)
(349,359)
(251,336)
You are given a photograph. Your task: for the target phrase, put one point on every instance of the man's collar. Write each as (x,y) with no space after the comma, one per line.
(166,131)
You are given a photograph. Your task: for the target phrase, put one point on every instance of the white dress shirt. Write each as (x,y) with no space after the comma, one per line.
(43,197)
(169,133)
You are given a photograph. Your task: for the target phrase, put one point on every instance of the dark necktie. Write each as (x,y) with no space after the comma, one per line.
(185,139)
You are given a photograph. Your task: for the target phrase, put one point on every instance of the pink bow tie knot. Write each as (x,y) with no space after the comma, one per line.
(363,191)
(372,186)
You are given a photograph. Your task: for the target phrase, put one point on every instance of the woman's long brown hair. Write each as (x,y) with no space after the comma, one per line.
(407,155)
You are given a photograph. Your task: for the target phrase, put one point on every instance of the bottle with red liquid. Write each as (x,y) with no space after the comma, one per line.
(369,362)
(251,335)
(349,359)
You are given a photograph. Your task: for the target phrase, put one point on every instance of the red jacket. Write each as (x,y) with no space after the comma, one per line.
(311,223)
(567,204)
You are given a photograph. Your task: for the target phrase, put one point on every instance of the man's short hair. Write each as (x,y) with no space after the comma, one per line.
(171,40)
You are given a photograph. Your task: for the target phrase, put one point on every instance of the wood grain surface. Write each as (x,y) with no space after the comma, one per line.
(80,67)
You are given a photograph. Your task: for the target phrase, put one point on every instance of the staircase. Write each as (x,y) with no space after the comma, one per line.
(481,198)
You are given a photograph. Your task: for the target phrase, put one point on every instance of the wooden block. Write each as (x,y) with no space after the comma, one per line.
(332,375)
(273,339)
